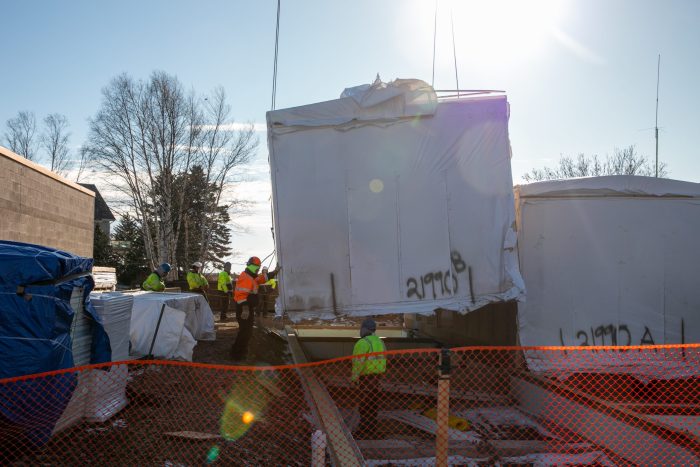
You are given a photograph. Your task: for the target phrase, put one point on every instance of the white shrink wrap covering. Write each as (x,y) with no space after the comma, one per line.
(403,203)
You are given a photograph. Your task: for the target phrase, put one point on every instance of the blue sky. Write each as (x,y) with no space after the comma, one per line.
(580,75)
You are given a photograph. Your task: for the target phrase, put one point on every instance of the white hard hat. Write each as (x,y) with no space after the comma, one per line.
(197,264)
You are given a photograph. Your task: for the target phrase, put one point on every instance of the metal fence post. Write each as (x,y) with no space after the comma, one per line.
(442,437)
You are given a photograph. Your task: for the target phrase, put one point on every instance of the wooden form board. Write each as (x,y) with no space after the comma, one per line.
(342,445)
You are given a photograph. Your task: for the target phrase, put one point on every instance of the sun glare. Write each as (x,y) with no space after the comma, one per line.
(492,30)
(487,32)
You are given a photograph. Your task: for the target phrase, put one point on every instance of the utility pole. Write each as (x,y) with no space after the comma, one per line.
(656,124)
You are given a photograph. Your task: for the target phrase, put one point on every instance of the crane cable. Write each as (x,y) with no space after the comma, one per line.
(454,49)
(274,96)
(454,46)
(432,82)
(274,72)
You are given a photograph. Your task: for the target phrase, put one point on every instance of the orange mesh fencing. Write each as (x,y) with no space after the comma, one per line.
(468,406)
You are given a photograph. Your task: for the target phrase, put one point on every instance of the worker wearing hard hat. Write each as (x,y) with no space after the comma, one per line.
(225,285)
(245,296)
(367,371)
(154,282)
(268,287)
(270,281)
(197,282)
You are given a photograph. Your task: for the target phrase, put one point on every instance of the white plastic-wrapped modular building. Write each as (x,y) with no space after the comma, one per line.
(390,201)
(609,261)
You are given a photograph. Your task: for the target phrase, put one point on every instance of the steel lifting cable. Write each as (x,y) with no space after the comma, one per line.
(274,96)
(268,256)
(432,82)
(454,48)
(272,258)
(274,72)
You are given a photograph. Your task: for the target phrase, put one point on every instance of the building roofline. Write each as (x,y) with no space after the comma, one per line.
(5,152)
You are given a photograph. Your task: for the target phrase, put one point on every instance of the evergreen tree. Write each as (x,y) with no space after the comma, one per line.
(130,251)
(219,244)
(195,243)
(102,252)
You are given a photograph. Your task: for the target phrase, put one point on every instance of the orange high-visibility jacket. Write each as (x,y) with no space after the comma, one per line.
(246,285)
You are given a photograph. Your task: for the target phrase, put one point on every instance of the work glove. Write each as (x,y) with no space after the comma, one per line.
(245,312)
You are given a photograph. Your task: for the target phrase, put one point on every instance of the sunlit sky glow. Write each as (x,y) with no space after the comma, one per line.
(580,74)
(501,33)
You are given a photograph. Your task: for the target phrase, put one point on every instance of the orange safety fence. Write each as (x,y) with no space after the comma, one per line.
(466,406)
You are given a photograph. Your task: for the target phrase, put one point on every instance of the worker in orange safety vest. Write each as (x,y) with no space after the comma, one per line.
(245,296)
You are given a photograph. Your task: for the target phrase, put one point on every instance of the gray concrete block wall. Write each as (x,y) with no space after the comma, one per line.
(38,206)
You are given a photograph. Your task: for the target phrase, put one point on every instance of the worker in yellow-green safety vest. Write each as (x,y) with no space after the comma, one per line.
(197,282)
(270,282)
(154,282)
(225,285)
(367,371)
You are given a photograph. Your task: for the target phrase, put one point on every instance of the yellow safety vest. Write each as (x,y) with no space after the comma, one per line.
(224,281)
(371,364)
(195,280)
(154,283)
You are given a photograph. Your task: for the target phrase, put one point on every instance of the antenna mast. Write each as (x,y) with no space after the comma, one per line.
(656,124)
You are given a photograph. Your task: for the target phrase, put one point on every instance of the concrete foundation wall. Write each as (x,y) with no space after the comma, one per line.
(494,324)
(38,206)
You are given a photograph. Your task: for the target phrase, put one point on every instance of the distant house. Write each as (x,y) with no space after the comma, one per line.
(103,215)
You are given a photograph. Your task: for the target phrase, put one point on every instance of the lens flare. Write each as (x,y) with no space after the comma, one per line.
(376,185)
(232,424)
(245,403)
(213,454)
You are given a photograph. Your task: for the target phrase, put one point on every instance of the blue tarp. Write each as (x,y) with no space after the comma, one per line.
(36,284)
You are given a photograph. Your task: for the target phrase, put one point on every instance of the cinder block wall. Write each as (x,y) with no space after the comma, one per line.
(41,207)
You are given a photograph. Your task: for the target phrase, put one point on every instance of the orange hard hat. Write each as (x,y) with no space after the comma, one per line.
(254,260)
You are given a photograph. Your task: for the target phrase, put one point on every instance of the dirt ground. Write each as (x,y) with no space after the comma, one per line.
(265,348)
(166,399)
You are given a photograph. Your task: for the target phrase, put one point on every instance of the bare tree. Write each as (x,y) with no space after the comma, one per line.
(623,162)
(146,134)
(225,149)
(82,162)
(55,142)
(140,137)
(20,134)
